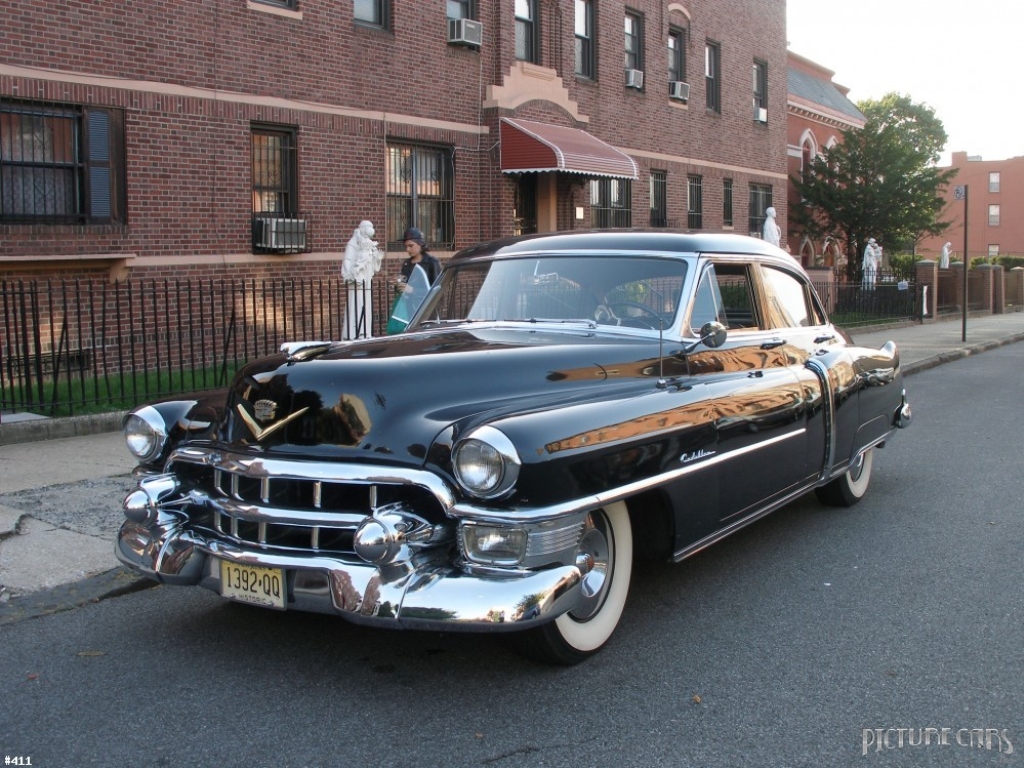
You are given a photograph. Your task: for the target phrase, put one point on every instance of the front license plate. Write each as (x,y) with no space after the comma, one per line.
(253,584)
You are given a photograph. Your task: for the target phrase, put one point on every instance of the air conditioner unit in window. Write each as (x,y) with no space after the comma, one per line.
(760,114)
(679,90)
(465,32)
(281,235)
(634,79)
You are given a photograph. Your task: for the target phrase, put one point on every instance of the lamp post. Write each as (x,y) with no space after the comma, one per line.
(960,193)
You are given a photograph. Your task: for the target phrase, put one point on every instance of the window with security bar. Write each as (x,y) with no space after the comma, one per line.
(695,202)
(61,164)
(727,203)
(274,172)
(277,225)
(659,198)
(421,193)
(611,203)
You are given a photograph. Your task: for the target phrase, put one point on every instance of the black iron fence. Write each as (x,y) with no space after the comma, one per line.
(80,346)
(880,297)
(70,347)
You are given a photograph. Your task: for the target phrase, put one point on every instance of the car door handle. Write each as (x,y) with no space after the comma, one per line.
(773,344)
(823,339)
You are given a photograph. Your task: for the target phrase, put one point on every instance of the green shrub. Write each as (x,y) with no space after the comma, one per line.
(1009,262)
(902,265)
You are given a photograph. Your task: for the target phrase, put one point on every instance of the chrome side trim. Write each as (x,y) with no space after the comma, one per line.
(828,412)
(588,503)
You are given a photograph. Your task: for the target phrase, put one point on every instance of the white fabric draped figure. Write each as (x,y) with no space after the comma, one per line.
(362,261)
(872,262)
(772,232)
(944,258)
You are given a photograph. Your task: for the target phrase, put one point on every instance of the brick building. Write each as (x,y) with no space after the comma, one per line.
(995,196)
(251,137)
(819,111)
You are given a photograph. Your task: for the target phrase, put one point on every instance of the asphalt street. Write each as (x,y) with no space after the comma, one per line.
(60,498)
(884,635)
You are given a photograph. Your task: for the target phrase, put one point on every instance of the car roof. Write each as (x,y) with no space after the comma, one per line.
(638,241)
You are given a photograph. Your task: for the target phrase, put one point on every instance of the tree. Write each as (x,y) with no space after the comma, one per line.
(881,181)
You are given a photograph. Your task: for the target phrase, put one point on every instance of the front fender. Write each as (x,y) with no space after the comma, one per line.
(184,419)
(586,449)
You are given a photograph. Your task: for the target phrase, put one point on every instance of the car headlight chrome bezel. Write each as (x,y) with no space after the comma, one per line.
(486,463)
(145,434)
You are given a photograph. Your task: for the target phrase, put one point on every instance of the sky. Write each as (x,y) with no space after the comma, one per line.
(961,58)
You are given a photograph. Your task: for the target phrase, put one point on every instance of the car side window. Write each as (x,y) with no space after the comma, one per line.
(707,303)
(789,300)
(725,295)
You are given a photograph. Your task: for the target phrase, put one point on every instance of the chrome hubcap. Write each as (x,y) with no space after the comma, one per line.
(857,468)
(595,550)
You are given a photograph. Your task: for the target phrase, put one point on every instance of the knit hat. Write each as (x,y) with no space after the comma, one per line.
(412,233)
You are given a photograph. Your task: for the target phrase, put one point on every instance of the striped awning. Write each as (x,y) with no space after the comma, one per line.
(528,146)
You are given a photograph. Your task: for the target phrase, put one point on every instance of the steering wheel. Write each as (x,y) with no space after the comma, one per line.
(650,319)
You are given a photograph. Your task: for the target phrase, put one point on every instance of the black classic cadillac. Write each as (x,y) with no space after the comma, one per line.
(558,405)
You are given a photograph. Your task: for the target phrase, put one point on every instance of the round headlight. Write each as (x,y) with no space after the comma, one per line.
(145,433)
(486,463)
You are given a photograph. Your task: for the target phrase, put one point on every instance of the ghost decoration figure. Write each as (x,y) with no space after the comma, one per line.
(772,232)
(362,261)
(872,262)
(944,258)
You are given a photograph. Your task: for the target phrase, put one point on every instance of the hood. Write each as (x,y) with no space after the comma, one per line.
(391,397)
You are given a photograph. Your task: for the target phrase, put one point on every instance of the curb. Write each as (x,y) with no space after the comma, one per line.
(36,430)
(958,354)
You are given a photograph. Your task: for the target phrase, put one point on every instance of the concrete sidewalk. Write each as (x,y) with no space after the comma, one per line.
(60,499)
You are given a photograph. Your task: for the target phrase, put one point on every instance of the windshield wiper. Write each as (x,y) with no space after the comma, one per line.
(574,321)
(452,321)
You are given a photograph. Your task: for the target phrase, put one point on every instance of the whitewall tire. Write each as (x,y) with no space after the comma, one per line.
(607,543)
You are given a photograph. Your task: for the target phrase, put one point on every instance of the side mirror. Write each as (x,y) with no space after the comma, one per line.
(713,334)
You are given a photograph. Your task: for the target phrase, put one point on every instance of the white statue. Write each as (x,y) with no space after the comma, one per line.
(872,262)
(362,257)
(362,261)
(944,258)
(772,232)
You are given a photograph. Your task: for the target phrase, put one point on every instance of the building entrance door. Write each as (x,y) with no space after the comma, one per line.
(525,213)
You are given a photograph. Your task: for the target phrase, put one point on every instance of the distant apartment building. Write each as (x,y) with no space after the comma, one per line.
(994,209)
(819,111)
(250,137)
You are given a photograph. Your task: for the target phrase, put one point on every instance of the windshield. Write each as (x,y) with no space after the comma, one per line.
(633,291)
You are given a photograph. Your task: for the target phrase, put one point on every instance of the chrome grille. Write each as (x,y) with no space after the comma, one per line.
(246,501)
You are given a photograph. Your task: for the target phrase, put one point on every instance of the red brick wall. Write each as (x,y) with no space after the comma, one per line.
(188,163)
(1008,234)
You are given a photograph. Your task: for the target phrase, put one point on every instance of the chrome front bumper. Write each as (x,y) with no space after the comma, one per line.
(427,592)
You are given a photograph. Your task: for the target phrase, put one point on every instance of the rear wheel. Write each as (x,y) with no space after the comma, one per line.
(606,551)
(850,487)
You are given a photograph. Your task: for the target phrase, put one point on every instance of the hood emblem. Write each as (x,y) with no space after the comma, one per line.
(264,410)
(259,432)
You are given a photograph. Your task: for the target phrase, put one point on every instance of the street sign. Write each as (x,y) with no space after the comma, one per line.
(959,193)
